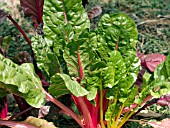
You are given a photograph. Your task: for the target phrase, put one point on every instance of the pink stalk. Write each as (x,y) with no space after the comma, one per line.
(64,108)
(4,111)
(86,114)
(80,66)
(81,102)
(19,114)
(16,124)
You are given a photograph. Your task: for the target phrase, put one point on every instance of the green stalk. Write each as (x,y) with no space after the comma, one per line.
(101,103)
(117,118)
(124,120)
(126,117)
(114,123)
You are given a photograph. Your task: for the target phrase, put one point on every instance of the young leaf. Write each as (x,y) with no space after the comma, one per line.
(21,80)
(64,83)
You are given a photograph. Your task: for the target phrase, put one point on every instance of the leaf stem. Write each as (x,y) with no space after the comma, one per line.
(117,118)
(101,102)
(64,108)
(86,114)
(20,29)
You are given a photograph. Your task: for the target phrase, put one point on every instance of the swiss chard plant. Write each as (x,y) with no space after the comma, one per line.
(96,68)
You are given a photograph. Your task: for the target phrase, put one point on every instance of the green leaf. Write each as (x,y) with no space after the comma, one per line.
(116,32)
(21,80)
(3,92)
(40,123)
(112,112)
(64,20)
(47,61)
(57,87)
(92,94)
(156,84)
(131,97)
(78,55)
(121,20)
(67,85)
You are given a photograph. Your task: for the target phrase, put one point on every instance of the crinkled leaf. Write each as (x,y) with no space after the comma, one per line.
(156,84)
(151,61)
(57,87)
(47,61)
(125,69)
(67,84)
(112,112)
(21,80)
(78,55)
(121,20)
(164,100)
(116,32)
(116,74)
(131,97)
(166,68)
(33,8)
(64,20)
(40,123)
(92,94)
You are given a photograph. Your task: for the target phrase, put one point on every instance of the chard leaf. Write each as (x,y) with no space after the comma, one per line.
(92,94)
(57,87)
(156,84)
(64,20)
(165,123)
(116,32)
(21,80)
(121,20)
(65,86)
(112,112)
(47,61)
(78,56)
(131,97)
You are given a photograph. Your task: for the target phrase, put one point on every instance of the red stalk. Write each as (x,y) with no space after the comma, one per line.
(16,124)
(80,66)
(19,114)
(20,29)
(64,108)
(81,104)
(86,114)
(20,105)
(4,111)
(39,11)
